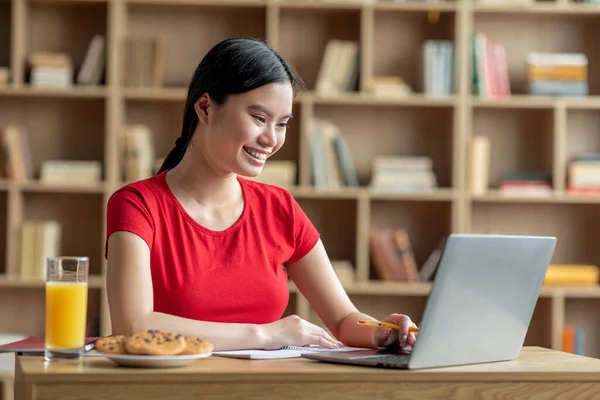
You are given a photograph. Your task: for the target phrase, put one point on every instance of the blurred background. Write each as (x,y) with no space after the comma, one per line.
(421,118)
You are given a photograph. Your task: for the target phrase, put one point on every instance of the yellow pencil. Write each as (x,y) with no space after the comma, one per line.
(380,324)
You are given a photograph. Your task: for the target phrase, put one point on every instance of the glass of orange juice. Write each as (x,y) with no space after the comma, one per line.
(66,307)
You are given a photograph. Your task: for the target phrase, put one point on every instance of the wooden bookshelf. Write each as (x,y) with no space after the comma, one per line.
(535,132)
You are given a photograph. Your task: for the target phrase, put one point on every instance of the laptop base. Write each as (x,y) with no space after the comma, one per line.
(367,358)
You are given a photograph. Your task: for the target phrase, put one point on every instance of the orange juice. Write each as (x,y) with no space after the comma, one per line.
(66,311)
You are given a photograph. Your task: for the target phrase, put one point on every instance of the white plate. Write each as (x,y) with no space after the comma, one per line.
(133,360)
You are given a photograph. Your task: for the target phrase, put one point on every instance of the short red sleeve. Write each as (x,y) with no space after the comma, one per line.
(305,233)
(127,211)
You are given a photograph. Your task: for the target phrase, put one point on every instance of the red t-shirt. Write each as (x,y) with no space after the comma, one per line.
(234,275)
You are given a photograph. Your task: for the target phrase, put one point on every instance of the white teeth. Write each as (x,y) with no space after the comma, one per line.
(260,156)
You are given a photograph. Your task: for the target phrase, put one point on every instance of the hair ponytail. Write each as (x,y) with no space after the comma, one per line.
(232,66)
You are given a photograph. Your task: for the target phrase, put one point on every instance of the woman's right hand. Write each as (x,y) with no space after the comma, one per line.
(294,331)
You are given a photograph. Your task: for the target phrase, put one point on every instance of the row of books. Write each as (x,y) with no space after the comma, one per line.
(138,159)
(557,74)
(144,64)
(583,174)
(56,69)
(490,71)
(39,239)
(340,67)
(332,164)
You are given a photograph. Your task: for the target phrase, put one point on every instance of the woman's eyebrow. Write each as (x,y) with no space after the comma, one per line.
(263,109)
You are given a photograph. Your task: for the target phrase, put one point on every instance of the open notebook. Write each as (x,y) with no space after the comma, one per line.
(285,352)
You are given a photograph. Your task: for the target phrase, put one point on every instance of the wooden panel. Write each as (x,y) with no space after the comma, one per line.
(304,34)
(399,39)
(540,332)
(575,225)
(396,131)
(425,222)
(582,132)
(81,219)
(336,222)
(58,128)
(542,32)
(190,31)
(521,140)
(65,27)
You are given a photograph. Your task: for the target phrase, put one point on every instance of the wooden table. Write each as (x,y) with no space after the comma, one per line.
(537,374)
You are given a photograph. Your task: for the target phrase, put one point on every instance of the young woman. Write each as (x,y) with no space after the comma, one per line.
(199,250)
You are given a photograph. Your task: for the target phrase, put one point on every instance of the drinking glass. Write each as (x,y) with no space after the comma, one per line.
(66,307)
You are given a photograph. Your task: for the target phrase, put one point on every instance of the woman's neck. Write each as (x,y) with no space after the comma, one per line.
(198,181)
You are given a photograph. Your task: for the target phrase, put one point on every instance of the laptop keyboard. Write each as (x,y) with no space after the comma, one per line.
(390,358)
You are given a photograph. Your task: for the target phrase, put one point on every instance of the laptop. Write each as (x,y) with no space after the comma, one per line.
(479,307)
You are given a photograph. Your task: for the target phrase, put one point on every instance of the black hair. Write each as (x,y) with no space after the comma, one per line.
(232,66)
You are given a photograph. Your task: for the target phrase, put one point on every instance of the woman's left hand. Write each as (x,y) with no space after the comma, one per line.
(386,337)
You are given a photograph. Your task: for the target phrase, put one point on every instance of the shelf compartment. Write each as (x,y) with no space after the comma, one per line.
(30,302)
(546,33)
(163,118)
(63,129)
(574,225)
(189,32)
(582,132)
(336,222)
(520,140)
(395,131)
(65,27)
(426,224)
(582,313)
(403,56)
(304,34)
(539,332)
(81,218)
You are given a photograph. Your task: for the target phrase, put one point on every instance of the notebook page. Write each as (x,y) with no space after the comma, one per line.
(286,352)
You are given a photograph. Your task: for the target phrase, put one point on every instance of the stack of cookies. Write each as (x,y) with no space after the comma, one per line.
(153,343)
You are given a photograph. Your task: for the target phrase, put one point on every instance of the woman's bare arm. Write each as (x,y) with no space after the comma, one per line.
(130,299)
(315,278)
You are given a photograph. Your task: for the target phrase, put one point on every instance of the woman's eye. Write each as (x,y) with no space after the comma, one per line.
(284,125)
(260,119)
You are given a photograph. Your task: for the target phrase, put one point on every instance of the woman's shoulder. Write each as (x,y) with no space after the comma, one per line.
(143,189)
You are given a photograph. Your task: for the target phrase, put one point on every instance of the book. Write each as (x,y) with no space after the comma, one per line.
(284,352)
(35,345)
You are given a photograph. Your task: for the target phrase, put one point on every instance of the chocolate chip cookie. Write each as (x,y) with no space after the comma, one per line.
(155,343)
(196,345)
(114,344)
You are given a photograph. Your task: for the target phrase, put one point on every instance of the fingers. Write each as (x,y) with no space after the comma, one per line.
(403,337)
(385,337)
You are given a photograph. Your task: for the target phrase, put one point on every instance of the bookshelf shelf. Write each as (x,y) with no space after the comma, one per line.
(538,8)
(496,196)
(74,92)
(533,133)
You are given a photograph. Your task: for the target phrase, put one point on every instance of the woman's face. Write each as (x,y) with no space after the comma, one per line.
(240,135)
